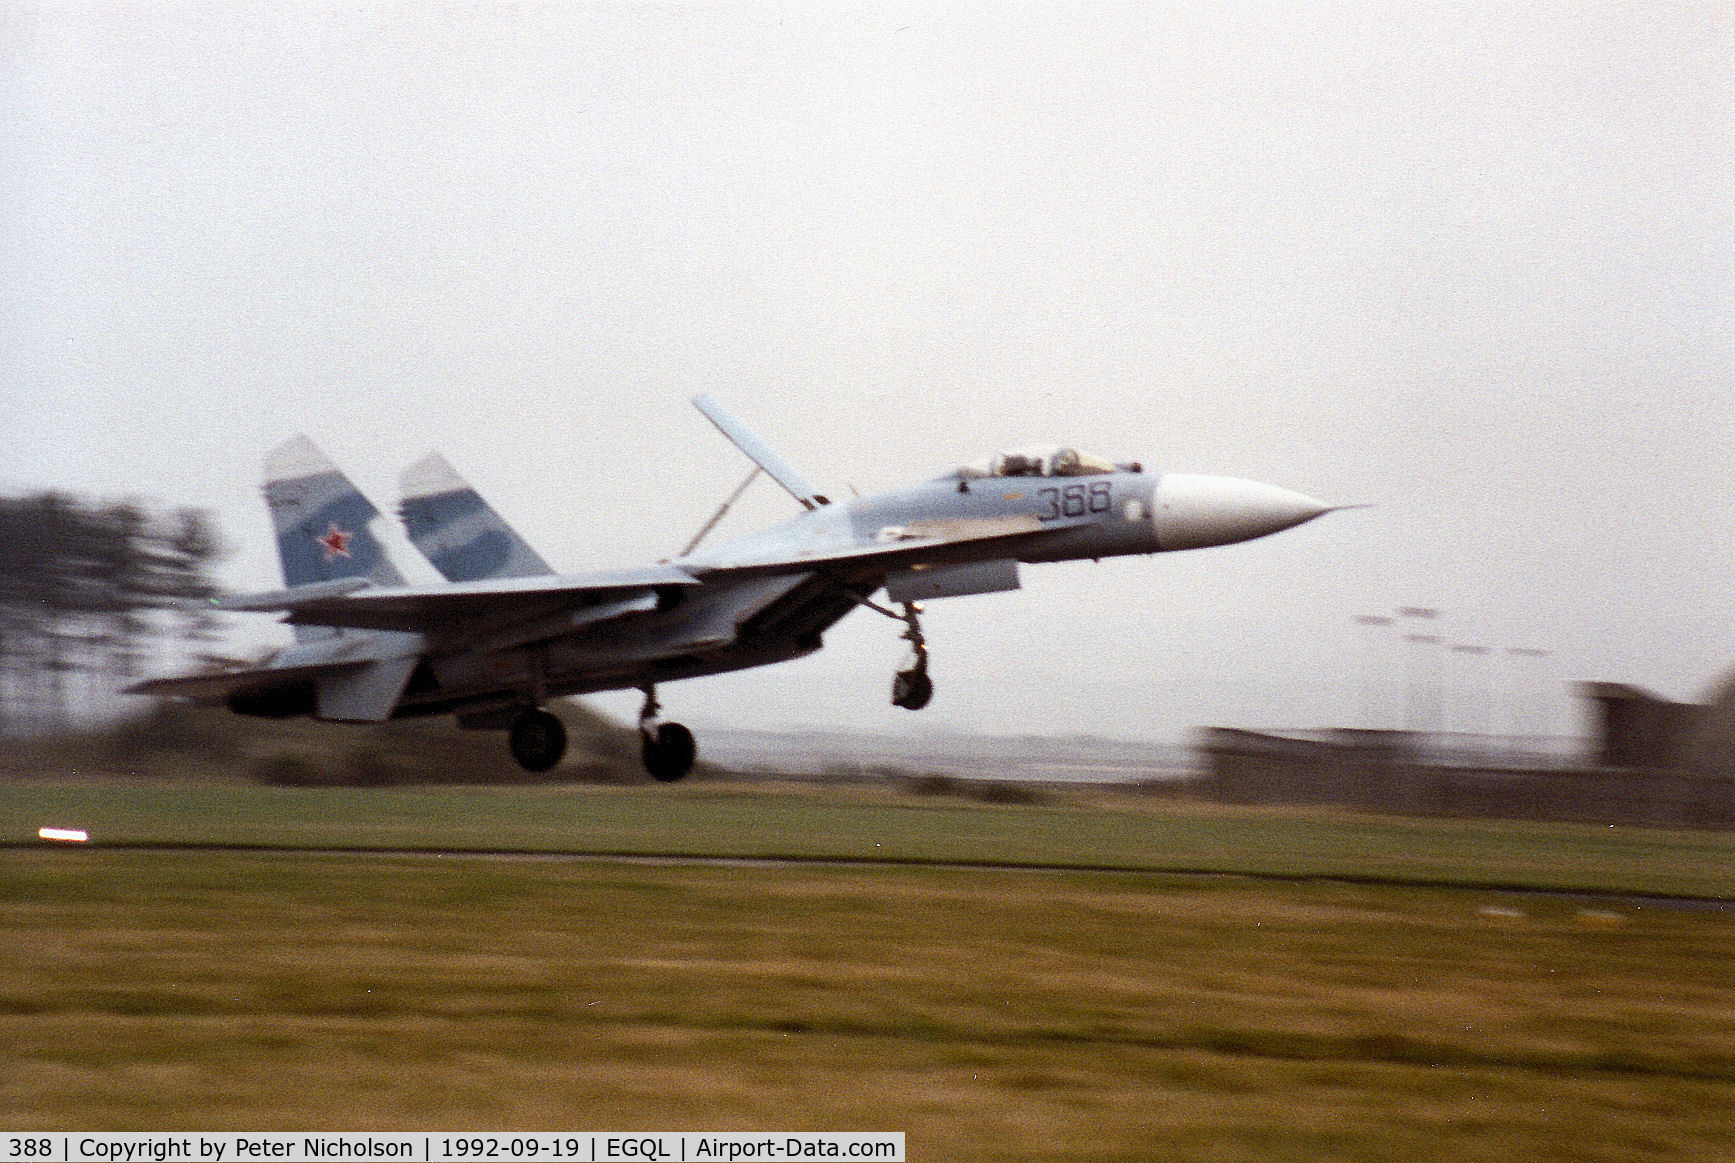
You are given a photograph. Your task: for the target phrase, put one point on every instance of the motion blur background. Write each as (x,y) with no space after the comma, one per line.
(1469,262)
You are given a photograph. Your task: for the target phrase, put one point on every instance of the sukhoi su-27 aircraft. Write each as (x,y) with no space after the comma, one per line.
(505,633)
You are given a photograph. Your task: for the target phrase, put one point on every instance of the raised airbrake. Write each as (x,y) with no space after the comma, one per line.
(504,633)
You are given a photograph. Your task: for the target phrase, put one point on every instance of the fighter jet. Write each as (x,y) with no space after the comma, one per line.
(505,634)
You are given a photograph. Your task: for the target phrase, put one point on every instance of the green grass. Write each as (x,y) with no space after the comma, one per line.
(990,1015)
(741,820)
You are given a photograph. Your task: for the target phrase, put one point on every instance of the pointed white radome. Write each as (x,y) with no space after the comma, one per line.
(429,477)
(1192,512)
(296,458)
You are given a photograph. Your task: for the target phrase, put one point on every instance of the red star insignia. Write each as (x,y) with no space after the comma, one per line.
(336,543)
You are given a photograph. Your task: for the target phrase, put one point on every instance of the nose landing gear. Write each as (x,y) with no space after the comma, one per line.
(911,687)
(668,748)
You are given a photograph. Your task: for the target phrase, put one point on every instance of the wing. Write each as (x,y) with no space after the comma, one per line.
(937,542)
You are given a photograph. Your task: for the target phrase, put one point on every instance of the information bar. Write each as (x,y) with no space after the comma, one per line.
(445,1146)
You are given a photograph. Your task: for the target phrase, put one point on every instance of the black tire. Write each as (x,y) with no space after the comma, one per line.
(538,740)
(911,689)
(669,756)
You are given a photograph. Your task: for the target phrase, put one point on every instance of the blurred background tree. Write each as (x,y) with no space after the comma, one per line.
(88,591)
(93,592)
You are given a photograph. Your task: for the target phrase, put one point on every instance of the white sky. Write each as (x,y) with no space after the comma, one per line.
(1472,263)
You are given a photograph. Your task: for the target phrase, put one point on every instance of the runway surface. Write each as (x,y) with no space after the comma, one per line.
(1676,901)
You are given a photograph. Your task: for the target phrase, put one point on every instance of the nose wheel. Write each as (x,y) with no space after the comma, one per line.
(911,687)
(668,748)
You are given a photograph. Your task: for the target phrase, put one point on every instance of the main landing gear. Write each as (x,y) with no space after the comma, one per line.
(668,747)
(911,687)
(537,740)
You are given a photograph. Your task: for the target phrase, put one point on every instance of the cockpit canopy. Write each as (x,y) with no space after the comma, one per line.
(1041,460)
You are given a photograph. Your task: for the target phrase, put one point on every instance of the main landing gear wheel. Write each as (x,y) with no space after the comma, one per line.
(911,687)
(669,754)
(668,748)
(537,740)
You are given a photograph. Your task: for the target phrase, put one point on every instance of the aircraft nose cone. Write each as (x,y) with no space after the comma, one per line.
(1191,512)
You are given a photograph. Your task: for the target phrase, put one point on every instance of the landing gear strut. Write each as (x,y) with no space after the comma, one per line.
(911,687)
(537,740)
(668,748)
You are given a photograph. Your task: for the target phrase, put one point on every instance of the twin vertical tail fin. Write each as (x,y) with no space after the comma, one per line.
(459,532)
(322,522)
(325,534)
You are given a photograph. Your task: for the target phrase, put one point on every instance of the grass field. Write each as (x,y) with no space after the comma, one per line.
(1080,827)
(988,1014)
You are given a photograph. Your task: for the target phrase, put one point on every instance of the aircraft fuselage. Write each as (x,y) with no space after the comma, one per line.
(505,633)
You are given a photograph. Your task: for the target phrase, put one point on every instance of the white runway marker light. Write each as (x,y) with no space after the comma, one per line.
(64,835)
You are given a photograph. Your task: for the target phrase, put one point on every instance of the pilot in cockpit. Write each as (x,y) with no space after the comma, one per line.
(1017,464)
(1037,461)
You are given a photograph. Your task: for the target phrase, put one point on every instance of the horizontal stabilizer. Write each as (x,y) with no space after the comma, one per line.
(223,685)
(288,599)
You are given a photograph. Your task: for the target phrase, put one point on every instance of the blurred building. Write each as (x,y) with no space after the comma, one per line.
(1652,762)
(1637,730)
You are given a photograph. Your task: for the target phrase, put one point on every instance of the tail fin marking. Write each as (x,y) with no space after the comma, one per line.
(322,522)
(458,531)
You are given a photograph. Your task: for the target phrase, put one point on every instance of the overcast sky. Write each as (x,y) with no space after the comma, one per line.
(1471,263)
